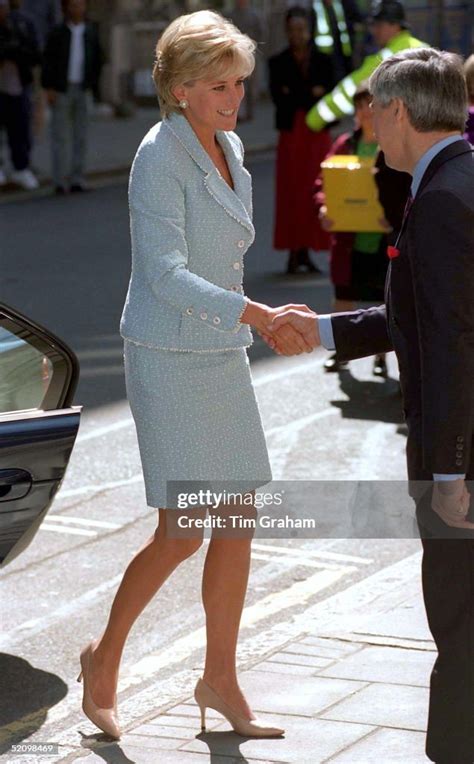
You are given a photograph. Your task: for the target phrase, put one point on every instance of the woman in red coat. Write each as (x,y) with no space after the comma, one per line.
(299,76)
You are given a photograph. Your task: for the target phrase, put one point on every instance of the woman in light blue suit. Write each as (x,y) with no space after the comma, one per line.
(186,326)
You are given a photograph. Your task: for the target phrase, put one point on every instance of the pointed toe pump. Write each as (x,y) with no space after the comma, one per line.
(206,697)
(104,718)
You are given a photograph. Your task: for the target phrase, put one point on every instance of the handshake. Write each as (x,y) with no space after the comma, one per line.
(288,330)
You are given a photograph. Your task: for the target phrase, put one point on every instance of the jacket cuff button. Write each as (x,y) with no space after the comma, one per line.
(203,316)
(216,320)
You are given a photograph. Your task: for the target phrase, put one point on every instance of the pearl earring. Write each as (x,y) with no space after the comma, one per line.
(183,104)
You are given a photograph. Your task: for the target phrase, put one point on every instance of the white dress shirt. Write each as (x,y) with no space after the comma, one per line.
(75,75)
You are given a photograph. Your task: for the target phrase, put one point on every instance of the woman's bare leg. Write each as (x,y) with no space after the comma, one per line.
(224,585)
(146,573)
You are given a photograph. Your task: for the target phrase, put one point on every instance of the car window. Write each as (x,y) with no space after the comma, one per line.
(25,374)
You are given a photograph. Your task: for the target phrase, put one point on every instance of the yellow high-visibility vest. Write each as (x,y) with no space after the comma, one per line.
(323,37)
(339,102)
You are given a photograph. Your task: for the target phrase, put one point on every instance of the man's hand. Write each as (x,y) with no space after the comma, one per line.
(291,323)
(451,502)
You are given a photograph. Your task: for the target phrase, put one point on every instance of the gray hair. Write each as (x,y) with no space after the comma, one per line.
(431,84)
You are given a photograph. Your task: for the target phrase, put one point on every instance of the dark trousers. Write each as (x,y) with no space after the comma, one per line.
(15,116)
(448,591)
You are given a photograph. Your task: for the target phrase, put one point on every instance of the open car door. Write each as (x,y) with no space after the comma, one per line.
(38,426)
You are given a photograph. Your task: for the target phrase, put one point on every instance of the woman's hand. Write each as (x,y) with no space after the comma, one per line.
(326,223)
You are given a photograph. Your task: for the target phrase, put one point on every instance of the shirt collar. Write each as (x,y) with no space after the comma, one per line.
(77,28)
(422,164)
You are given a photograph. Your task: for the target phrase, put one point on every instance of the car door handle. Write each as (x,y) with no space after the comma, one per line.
(14,484)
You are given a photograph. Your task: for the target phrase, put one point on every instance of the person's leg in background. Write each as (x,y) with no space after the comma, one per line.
(80,110)
(60,121)
(17,115)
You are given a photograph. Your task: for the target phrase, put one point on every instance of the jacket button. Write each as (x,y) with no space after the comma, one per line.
(458,462)
(216,320)
(459,446)
(236,266)
(203,316)
(241,244)
(460,439)
(189,311)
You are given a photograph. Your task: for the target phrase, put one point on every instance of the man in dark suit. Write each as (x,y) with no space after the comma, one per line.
(420,107)
(71,69)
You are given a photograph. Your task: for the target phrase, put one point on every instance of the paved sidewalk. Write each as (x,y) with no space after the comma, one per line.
(349,685)
(113,142)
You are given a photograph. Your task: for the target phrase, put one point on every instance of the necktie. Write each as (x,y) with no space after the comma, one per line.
(393,252)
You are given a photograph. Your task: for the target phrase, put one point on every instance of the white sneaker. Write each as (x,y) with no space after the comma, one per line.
(3,178)
(25,179)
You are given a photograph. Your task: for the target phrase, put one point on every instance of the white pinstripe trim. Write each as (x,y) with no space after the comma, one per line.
(342,103)
(349,86)
(326,114)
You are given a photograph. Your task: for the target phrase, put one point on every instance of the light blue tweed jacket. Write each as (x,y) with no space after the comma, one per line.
(189,234)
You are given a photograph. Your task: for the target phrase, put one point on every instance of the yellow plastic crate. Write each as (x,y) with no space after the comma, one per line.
(351,193)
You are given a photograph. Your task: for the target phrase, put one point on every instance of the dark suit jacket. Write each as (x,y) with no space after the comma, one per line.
(18,43)
(428,318)
(290,91)
(56,58)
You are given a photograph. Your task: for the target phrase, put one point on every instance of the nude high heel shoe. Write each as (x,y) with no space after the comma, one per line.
(104,718)
(206,698)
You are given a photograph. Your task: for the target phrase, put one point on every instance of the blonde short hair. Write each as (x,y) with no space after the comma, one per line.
(201,45)
(469,72)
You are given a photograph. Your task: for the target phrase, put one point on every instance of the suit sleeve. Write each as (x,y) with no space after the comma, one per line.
(49,57)
(441,239)
(157,227)
(360,333)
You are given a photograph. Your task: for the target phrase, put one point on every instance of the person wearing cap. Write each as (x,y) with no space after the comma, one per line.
(392,34)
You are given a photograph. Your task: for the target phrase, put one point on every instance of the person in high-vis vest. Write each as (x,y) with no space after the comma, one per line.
(391,33)
(331,34)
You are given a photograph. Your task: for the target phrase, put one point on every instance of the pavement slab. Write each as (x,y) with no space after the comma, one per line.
(307,697)
(304,742)
(398,746)
(385,664)
(384,705)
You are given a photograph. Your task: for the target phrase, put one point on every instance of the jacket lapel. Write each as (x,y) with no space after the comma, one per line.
(238,202)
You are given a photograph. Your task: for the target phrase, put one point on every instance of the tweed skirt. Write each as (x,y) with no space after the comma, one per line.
(197,420)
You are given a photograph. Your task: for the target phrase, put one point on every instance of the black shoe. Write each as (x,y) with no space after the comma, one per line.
(60,190)
(305,260)
(380,366)
(332,364)
(293,262)
(78,188)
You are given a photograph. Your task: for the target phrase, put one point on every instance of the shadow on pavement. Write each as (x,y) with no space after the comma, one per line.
(374,401)
(27,696)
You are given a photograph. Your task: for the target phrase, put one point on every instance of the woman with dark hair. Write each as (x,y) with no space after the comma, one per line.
(299,76)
